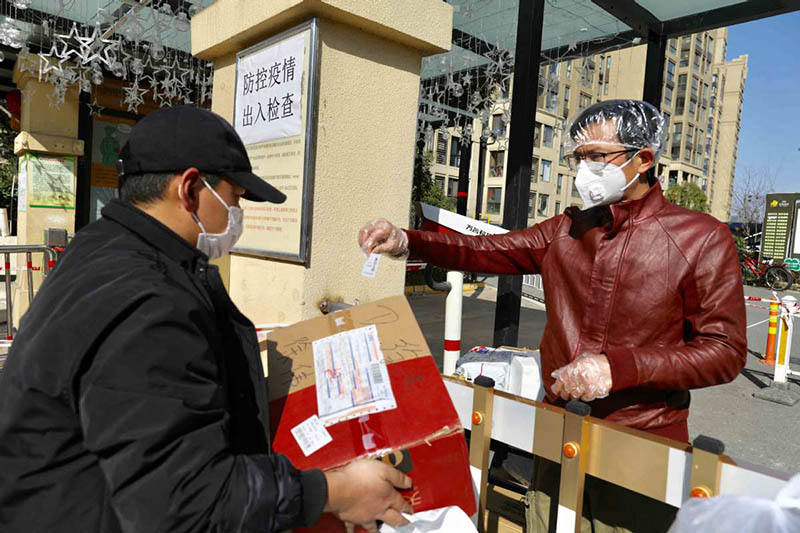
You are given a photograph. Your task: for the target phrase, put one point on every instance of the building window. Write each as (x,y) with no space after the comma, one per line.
(497,161)
(531,205)
(455,151)
(561,154)
(569,68)
(498,126)
(704,185)
(452,188)
(559,184)
(673,177)
(706,164)
(544,171)
(670,71)
(685,51)
(677,132)
(574,192)
(558,209)
(493,200)
(441,149)
(565,111)
(548,135)
(695,84)
(584,101)
(537,134)
(673,45)
(535,169)
(692,106)
(542,209)
(667,118)
(552,97)
(680,105)
(587,71)
(440,182)
(668,95)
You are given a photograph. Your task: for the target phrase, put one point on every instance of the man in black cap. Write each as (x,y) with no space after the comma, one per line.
(133,397)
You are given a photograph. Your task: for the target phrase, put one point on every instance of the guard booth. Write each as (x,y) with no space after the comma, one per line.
(104,126)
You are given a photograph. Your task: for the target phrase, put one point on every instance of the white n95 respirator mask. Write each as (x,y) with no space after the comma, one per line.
(602,183)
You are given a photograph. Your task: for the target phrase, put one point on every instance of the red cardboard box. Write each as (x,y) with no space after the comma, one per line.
(422,436)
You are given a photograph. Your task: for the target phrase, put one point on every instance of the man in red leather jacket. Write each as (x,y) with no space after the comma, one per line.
(644,298)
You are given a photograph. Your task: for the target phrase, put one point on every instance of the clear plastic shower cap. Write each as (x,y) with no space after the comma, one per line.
(628,123)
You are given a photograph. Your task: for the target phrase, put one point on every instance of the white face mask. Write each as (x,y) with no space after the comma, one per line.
(602,183)
(216,245)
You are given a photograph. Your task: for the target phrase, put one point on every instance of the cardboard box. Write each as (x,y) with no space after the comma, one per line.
(422,436)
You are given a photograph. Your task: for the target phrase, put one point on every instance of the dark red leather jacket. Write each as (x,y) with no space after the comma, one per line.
(654,286)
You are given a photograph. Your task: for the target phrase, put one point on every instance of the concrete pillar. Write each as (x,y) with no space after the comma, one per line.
(370,59)
(46,130)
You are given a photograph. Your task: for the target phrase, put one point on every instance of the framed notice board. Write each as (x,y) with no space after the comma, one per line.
(275,114)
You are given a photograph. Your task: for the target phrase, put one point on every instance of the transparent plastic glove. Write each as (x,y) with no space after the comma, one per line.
(382,237)
(742,514)
(586,378)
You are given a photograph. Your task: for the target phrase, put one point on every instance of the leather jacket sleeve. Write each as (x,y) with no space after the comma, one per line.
(153,411)
(715,345)
(515,252)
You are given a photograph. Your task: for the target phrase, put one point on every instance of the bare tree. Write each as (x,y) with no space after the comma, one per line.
(750,196)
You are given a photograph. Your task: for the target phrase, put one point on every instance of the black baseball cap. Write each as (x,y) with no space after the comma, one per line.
(173,139)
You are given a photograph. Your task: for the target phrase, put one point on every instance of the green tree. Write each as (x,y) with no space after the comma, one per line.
(425,187)
(688,195)
(8,170)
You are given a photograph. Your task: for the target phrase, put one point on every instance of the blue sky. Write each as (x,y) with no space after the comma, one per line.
(770,134)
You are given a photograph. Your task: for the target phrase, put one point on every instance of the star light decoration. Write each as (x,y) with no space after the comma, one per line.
(135,53)
(134,96)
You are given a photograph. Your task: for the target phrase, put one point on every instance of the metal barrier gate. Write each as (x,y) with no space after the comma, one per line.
(663,469)
(28,250)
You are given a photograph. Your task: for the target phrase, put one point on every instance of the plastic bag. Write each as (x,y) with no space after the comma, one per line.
(742,514)
(446,520)
(627,123)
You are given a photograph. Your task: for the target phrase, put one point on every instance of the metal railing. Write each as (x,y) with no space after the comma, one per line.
(28,250)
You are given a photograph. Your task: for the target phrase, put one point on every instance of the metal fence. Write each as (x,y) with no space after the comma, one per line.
(28,250)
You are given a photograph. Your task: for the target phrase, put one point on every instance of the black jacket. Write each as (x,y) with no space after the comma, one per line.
(133,398)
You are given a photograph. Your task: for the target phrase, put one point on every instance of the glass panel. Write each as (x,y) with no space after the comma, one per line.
(680,8)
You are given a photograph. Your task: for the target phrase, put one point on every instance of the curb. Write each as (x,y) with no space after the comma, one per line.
(424,289)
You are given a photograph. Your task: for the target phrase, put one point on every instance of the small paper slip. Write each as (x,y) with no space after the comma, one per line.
(311,435)
(351,376)
(371,266)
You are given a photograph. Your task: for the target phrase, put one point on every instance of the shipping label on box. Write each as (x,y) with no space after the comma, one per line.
(367,374)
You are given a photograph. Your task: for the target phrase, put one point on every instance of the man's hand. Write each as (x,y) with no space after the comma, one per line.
(364,491)
(586,378)
(382,237)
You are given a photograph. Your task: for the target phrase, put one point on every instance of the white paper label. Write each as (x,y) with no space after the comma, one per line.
(311,435)
(267,103)
(371,266)
(351,375)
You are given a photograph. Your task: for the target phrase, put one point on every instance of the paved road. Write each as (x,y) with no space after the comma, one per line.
(754,430)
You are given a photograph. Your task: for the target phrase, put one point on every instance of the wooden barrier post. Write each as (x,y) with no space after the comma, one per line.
(575,450)
(481,438)
(706,467)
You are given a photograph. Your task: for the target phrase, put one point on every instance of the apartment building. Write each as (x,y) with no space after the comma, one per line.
(702,101)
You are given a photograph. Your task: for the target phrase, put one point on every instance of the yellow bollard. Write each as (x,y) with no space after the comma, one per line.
(769,353)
